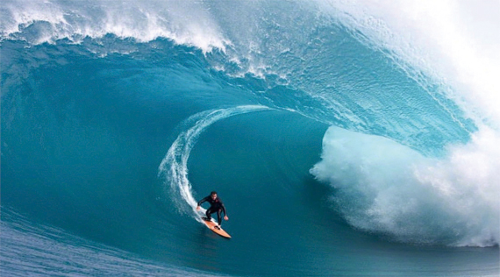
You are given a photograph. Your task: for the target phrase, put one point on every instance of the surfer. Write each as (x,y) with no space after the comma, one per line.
(216,206)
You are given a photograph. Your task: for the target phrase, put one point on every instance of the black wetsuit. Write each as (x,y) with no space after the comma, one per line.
(216,206)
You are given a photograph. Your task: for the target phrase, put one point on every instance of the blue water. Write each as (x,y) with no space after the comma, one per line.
(332,155)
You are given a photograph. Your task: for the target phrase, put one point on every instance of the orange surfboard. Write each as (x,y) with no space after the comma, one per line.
(219,231)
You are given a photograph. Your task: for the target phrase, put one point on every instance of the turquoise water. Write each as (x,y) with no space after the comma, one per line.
(332,156)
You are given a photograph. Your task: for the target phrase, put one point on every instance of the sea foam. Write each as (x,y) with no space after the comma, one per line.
(384,187)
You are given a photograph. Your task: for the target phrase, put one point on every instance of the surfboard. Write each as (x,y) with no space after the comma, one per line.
(213,226)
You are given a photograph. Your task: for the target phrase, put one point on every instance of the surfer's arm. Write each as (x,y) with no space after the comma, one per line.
(224,210)
(203,200)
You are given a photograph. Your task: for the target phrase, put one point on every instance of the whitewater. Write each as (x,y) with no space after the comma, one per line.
(344,137)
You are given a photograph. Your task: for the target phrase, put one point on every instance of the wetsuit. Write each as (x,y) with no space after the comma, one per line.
(216,206)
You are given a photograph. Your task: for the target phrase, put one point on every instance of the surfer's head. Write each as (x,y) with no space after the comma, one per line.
(213,194)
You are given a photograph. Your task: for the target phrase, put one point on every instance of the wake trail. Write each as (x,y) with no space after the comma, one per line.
(173,168)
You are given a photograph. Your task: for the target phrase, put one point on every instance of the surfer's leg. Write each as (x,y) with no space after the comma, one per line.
(209,212)
(218,216)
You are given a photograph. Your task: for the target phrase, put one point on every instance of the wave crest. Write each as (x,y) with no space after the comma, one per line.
(184,22)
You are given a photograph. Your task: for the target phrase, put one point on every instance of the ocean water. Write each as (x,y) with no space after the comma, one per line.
(346,138)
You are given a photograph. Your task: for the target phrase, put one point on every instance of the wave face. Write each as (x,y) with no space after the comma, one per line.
(336,133)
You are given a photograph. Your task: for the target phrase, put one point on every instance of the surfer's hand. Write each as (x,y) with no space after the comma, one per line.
(226,218)
(197,208)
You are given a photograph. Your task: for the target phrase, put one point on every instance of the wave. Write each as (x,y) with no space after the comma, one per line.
(92,90)
(413,104)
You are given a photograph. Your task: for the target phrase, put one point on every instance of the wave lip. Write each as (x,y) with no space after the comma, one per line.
(386,188)
(183,22)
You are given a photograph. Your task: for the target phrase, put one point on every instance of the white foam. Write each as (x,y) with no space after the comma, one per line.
(382,186)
